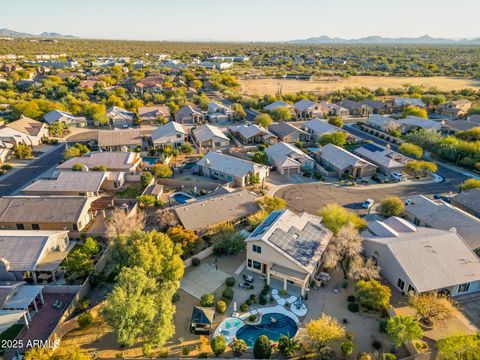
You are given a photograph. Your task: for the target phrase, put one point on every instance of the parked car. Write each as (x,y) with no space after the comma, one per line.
(447,199)
(378,179)
(398,177)
(367,204)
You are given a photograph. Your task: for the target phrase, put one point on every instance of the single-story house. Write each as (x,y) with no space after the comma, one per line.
(307,109)
(287,249)
(253,134)
(387,160)
(207,213)
(151,83)
(332,109)
(23,131)
(120,140)
(288,159)
(172,133)
(456,126)
(286,132)
(316,128)
(119,117)
(415,122)
(233,170)
(356,108)
(29,253)
(400,103)
(210,137)
(277,104)
(127,162)
(18,302)
(150,115)
(74,183)
(420,259)
(382,122)
(65,117)
(378,107)
(46,212)
(219,112)
(189,115)
(469,201)
(342,162)
(437,214)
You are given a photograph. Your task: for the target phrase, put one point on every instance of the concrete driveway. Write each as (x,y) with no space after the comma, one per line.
(203,280)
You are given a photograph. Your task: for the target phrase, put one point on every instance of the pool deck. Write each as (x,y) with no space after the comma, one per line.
(230,326)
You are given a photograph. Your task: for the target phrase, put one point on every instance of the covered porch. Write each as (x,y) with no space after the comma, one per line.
(26,297)
(291,281)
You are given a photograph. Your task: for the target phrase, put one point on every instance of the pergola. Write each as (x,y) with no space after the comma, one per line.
(24,297)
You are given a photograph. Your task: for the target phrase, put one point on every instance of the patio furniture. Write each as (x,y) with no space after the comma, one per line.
(248,278)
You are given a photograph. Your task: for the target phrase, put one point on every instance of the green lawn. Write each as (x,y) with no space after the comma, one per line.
(131,192)
(10,334)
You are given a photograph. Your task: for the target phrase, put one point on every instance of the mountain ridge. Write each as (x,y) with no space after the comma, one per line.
(46,35)
(375,39)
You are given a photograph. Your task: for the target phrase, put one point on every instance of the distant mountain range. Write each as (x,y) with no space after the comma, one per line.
(45,35)
(378,40)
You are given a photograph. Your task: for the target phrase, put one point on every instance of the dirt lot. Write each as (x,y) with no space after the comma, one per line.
(328,84)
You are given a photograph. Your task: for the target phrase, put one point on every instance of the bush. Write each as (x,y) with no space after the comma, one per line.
(262,348)
(244,307)
(145,179)
(185,350)
(195,261)
(388,356)
(230,281)
(265,290)
(6,167)
(382,326)
(351,298)
(392,206)
(353,307)
(347,347)
(85,320)
(253,298)
(239,346)
(221,306)
(218,345)
(203,355)
(207,300)
(228,293)
(377,345)
(252,317)
(162,171)
(262,300)
(364,356)
(248,302)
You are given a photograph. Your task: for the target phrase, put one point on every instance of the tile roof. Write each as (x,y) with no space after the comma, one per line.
(320,127)
(26,125)
(113,160)
(119,137)
(78,181)
(207,132)
(381,155)
(341,158)
(228,164)
(276,104)
(284,128)
(469,199)
(284,154)
(56,115)
(167,133)
(247,131)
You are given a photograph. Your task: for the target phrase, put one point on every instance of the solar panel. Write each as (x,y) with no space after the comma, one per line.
(372,147)
(266,223)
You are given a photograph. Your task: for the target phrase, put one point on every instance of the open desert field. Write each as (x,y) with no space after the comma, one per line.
(328,84)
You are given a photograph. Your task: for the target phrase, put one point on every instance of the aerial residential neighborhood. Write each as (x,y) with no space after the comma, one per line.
(201,180)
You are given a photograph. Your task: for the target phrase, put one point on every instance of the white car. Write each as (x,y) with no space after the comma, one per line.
(398,177)
(367,204)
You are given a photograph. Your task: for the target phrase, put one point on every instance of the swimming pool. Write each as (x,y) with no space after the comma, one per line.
(181,198)
(150,160)
(282,325)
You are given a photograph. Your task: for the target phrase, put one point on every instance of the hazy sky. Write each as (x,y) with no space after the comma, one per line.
(242,20)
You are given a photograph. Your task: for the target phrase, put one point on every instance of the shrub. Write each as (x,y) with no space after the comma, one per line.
(207,300)
(347,348)
(218,345)
(382,326)
(388,356)
(372,294)
(252,317)
(353,307)
(145,179)
(364,356)
(221,306)
(244,307)
(248,302)
(85,320)
(392,206)
(6,167)
(162,171)
(195,261)
(203,355)
(239,346)
(228,293)
(185,350)
(230,281)
(253,298)
(351,298)
(262,300)
(262,348)
(77,167)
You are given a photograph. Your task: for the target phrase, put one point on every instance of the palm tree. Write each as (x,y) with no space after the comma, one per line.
(287,345)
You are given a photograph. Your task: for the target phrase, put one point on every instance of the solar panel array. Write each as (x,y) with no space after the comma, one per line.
(302,245)
(266,223)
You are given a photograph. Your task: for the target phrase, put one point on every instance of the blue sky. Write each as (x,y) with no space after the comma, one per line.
(242,20)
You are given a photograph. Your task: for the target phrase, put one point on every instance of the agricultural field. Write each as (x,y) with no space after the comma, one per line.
(329,84)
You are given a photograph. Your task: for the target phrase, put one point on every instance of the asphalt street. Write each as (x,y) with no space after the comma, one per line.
(10,184)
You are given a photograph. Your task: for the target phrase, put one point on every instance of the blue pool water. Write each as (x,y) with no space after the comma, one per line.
(150,160)
(181,198)
(284,325)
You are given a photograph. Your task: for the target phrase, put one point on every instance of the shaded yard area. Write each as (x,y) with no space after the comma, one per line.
(132,191)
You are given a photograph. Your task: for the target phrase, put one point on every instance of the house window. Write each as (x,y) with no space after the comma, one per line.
(254,264)
(257,249)
(179,136)
(411,289)
(35,227)
(464,288)
(218,144)
(400,284)
(20,227)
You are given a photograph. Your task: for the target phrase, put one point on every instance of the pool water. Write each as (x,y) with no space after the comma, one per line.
(150,160)
(284,325)
(181,198)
